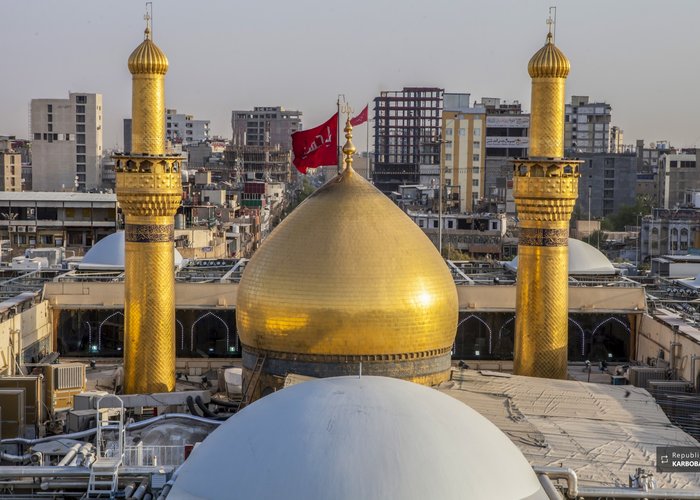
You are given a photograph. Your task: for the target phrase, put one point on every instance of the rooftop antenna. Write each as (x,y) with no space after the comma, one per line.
(148,17)
(552,23)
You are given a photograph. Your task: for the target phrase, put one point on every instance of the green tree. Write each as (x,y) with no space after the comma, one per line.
(453,253)
(627,215)
(304,192)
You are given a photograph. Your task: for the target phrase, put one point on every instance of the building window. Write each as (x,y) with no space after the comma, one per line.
(448,156)
(435,223)
(477,145)
(80,99)
(450,224)
(68,136)
(477,131)
(462,131)
(37,137)
(80,168)
(80,118)
(80,138)
(475,182)
(80,128)
(448,132)
(80,109)
(50,127)
(70,213)
(80,158)
(49,108)
(421,223)
(475,157)
(80,149)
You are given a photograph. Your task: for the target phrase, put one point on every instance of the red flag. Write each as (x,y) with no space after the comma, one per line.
(360,119)
(317,146)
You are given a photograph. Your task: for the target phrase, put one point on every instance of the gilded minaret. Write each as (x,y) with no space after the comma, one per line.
(545,189)
(149,190)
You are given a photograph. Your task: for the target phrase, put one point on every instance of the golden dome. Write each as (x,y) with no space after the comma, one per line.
(549,62)
(148,58)
(347,273)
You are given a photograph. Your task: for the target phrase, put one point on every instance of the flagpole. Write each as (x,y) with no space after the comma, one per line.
(337,135)
(369,162)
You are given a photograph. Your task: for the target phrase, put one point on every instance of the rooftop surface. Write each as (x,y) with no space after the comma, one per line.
(603,432)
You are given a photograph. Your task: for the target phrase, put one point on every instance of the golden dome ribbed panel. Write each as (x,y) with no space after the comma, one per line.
(347,273)
(148,58)
(549,62)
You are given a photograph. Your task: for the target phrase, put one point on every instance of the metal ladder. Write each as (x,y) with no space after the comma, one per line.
(252,383)
(104,471)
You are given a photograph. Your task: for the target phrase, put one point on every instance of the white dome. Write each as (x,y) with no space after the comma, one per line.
(344,438)
(108,254)
(583,259)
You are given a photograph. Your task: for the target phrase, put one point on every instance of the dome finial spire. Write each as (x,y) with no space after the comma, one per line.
(552,25)
(147,17)
(348,148)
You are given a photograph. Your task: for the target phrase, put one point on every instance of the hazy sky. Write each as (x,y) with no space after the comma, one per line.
(638,55)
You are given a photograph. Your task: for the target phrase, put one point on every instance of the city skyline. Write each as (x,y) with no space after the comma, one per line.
(226,56)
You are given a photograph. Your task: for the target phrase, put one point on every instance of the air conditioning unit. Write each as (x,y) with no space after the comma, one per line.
(80,420)
(641,375)
(33,385)
(12,402)
(11,229)
(31,229)
(63,382)
(21,229)
(658,387)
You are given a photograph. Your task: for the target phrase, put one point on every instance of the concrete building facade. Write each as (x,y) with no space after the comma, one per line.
(184,129)
(10,167)
(407,142)
(507,136)
(669,232)
(678,179)
(71,220)
(463,152)
(607,182)
(587,126)
(616,140)
(265,126)
(67,143)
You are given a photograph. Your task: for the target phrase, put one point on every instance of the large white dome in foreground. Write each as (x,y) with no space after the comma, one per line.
(350,438)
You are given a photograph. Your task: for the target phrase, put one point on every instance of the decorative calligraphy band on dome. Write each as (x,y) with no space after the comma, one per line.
(149,233)
(537,237)
(349,358)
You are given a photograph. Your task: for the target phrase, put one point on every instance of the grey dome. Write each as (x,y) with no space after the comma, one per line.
(583,259)
(370,438)
(108,254)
